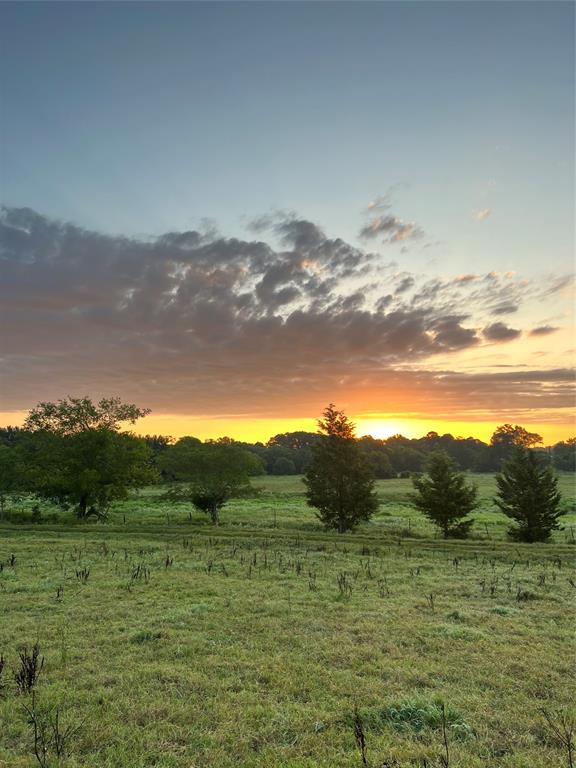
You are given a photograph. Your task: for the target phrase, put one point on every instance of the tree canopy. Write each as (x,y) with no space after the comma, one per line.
(78,414)
(513,436)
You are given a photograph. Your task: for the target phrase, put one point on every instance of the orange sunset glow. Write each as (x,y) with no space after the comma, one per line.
(336,273)
(287,383)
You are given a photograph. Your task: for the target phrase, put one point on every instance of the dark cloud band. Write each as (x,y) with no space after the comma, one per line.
(194,322)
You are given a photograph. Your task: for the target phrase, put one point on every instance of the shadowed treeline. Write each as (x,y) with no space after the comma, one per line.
(290,453)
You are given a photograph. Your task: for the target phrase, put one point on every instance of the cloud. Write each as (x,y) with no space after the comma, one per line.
(482,214)
(194,322)
(393,230)
(504,309)
(499,332)
(543,330)
(381,203)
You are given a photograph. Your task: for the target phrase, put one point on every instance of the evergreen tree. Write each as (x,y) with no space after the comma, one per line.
(339,481)
(444,496)
(528,493)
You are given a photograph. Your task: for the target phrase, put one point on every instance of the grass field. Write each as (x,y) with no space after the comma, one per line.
(169,643)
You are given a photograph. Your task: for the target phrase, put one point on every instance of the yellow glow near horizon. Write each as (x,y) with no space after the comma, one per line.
(261,429)
(482,430)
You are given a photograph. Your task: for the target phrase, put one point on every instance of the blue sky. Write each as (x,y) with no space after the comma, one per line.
(145,117)
(449,299)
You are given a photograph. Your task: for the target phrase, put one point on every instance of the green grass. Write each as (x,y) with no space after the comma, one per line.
(255,646)
(282,506)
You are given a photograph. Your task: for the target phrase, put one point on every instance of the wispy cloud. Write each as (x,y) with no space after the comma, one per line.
(391,229)
(544,330)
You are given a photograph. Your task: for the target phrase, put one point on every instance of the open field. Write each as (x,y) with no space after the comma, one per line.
(173,644)
(282,505)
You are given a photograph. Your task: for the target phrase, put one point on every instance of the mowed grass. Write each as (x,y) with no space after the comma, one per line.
(252,644)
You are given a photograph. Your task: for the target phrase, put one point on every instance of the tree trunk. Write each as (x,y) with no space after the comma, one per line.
(215,514)
(82,506)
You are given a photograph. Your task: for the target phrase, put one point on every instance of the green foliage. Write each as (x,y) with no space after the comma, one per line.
(378,456)
(295,447)
(528,494)
(213,473)
(564,455)
(444,496)
(88,470)
(79,414)
(77,457)
(12,473)
(340,481)
(514,436)
(283,466)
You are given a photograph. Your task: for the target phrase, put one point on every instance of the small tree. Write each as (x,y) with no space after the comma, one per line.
(339,481)
(528,493)
(213,473)
(444,496)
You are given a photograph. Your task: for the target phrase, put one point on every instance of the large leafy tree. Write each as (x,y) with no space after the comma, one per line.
(210,473)
(340,481)
(514,436)
(73,415)
(444,496)
(528,494)
(78,458)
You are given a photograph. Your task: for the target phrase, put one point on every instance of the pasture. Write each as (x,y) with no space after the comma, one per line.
(170,643)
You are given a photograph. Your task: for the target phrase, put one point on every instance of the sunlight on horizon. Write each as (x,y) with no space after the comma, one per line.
(256,429)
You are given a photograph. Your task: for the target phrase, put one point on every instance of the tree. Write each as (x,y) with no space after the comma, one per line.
(564,455)
(377,455)
(11,475)
(213,473)
(339,481)
(79,414)
(78,458)
(444,496)
(283,466)
(11,436)
(296,446)
(528,493)
(513,436)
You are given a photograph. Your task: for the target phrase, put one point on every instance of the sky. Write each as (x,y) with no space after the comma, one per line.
(236,213)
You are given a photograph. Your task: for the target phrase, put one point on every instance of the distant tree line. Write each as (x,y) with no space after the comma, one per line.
(74,453)
(291,453)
